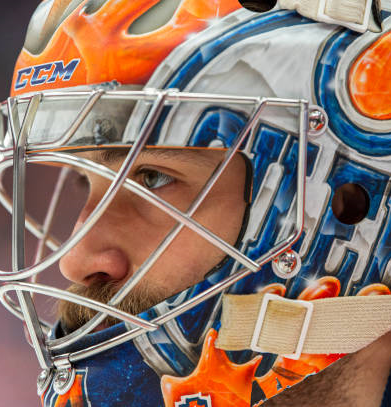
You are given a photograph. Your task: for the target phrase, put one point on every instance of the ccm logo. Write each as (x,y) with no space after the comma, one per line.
(45,73)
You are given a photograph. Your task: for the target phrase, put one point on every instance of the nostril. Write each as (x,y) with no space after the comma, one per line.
(83,265)
(99,276)
(109,265)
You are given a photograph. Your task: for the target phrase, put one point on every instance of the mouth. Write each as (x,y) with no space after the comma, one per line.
(74,316)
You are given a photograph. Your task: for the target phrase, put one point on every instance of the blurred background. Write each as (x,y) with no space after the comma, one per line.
(19,365)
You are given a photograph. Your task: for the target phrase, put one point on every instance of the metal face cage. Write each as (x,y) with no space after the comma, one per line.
(16,150)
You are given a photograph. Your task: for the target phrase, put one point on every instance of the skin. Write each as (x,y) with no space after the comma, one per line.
(131,229)
(356,380)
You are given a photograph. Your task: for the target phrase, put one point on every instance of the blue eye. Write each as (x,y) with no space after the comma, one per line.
(153,179)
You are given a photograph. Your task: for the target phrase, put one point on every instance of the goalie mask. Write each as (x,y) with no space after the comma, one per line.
(280,121)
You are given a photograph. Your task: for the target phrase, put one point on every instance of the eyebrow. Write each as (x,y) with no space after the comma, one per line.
(198,157)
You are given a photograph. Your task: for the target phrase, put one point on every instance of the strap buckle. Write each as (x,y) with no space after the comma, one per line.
(322,16)
(261,318)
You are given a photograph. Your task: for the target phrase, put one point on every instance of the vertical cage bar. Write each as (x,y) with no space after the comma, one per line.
(18,233)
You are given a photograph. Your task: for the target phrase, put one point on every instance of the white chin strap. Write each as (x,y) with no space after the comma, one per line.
(268,323)
(354,14)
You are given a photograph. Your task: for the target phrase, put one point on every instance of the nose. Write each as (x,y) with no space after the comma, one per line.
(97,255)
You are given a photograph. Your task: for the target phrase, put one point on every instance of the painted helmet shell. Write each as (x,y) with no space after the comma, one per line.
(220,48)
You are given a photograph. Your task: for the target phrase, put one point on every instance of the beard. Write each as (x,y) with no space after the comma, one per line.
(74,316)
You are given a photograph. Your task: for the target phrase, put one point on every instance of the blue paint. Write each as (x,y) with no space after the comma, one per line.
(120,376)
(365,142)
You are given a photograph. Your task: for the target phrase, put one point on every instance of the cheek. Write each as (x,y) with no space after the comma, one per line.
(223,215)
(179,198)
(183,264)
(139,211)
(190,256)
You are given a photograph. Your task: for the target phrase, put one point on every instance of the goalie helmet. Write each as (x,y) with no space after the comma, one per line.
(302,96)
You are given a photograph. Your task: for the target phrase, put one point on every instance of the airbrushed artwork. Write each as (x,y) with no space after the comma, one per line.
(304,104)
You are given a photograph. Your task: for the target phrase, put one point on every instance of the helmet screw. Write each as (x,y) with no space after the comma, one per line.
(43,381)
(63,380)
(287,265)
(317,121)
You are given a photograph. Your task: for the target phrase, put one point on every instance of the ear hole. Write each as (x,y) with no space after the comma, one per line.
(350,203)
(259,6)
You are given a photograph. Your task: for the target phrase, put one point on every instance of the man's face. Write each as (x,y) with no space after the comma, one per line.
(131,228)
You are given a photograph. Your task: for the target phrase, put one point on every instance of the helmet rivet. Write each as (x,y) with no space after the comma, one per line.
(43,381)
(317,121)
(287,265)
(63,380)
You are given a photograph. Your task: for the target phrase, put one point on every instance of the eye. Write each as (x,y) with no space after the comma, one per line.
(153,179)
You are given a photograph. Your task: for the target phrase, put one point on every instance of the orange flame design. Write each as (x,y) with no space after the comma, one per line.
(107,52)
(227,384)
(375,289)
(230,384)
(73,398)
(370,80)
(287,372)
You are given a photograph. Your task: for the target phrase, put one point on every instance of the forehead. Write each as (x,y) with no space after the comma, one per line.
(194,157)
